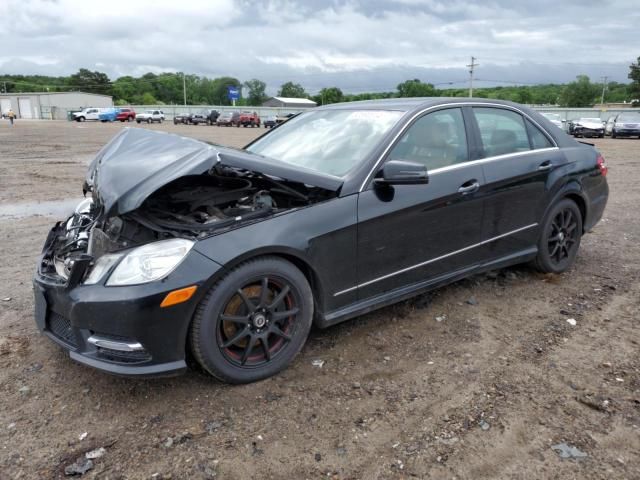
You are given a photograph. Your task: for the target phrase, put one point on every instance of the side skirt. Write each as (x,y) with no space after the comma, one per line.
(367,305)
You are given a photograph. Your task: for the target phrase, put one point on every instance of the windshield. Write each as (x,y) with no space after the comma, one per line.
(629,117)
(149,111)
(328,141)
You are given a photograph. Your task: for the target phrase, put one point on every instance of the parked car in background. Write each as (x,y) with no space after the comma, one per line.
(207,116)
(108,115)
(181,118)
(626,125)
(249,119)
(608,127)
(270,121)
(90,113)
(126,115)
(284,118)
(588,127)
(228,119)
(556,119)
(150,116)
(183,249)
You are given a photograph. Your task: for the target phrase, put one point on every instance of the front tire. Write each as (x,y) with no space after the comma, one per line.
(560,238)
(253,321)
(149,120)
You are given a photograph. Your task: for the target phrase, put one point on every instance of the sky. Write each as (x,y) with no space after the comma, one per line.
(357,45)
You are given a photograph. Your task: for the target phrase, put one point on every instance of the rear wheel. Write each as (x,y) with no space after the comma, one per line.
(613,134)
(560,238)
(253,322)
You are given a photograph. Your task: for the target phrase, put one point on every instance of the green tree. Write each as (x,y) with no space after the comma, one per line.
(88,81)
(218,92)
(256,88)
(292,90)
(634,76)
(415,88)
(581,93)
(329,95)
(148,99)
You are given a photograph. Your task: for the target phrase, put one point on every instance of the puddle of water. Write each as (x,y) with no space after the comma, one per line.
(59,209)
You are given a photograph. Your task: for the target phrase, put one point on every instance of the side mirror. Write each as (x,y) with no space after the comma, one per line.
(402,172)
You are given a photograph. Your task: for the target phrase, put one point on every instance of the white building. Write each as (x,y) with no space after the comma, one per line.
(50,105)
(287,102)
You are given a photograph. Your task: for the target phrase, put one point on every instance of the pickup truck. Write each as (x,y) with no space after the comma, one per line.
(126,115)
(150,116)
(209,117)
(249,119)
(87,114)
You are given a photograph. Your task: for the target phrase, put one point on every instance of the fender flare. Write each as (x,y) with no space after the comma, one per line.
(572,190)
(296,257)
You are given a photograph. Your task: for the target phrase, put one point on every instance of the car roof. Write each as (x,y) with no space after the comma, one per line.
(410,104)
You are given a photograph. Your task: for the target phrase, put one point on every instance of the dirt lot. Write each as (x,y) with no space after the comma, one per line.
(477,380)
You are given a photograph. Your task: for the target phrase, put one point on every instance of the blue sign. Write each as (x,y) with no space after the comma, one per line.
(233,93)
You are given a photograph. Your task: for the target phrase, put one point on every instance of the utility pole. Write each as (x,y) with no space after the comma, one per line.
(471,67)
(604,87)
(184,88)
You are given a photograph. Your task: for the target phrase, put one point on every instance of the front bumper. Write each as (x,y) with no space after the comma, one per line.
(72,315)
(626,132)
(589,132)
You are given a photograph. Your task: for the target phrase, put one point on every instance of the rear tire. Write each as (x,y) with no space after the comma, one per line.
(560,238)
(253,321)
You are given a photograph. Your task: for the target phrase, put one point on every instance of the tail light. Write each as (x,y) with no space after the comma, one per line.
(602,165)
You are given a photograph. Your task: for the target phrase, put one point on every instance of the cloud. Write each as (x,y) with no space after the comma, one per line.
(358,45)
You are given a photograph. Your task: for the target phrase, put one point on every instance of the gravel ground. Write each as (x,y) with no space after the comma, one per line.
(477,380)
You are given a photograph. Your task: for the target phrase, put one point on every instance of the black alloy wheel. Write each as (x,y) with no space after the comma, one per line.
(560,238)
(253,322)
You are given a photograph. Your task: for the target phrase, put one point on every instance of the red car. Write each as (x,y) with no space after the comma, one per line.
(126,115)
(249,119)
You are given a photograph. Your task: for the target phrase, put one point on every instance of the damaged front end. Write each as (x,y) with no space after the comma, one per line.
(148,187)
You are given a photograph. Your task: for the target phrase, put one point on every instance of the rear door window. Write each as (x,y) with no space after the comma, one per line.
(538,139)
(502,131)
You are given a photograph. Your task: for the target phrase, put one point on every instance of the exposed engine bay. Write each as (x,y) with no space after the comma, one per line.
(192,207)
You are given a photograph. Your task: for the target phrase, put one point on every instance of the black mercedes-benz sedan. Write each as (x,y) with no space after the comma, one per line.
(228,256)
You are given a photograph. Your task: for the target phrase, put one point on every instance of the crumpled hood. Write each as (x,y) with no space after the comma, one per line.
(137,162)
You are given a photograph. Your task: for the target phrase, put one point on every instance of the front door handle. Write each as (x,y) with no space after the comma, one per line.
(469,187)
(546,165)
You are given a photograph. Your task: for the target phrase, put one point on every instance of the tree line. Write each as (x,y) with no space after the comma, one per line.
(167,88)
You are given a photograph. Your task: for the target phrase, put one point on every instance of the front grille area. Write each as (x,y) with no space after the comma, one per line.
(123,357)
(61,328)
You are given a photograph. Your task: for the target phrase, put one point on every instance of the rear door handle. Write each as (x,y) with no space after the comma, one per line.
(468,187)
(546,165)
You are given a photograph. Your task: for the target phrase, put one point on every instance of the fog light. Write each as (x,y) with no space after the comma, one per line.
(178,296)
